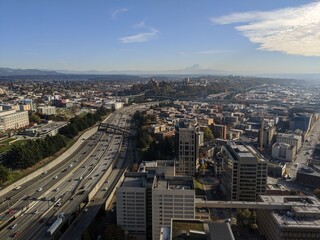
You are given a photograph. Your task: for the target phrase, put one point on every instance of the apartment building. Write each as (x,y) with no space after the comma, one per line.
(244,174)
(189,139)
(47,110)
(299,222)
(172,197)
(13,119)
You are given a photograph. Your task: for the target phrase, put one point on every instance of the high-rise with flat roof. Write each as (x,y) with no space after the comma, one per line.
(131,206)
(244,174)
(172,197)
(188,142)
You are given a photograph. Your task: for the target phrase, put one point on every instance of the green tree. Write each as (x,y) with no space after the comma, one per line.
(34,118)
(208,135)
(316,192)
(246,218)
(4,174)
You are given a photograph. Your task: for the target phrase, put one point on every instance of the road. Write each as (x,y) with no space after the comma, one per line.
(306,150)
(65,189)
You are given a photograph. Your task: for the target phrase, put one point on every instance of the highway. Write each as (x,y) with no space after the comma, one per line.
(64,190)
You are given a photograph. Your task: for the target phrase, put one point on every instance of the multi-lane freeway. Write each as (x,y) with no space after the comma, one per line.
(63,191)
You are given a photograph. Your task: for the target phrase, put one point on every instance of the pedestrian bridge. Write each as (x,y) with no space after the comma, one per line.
(107,126)
(200,203)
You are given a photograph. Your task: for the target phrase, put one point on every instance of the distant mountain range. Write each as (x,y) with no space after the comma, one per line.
(21,72)
(195,69)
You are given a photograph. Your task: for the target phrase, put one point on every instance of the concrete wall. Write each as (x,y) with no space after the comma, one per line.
(53,163)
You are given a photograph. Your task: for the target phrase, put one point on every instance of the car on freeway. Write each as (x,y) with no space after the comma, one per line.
(36,211)
(40,189)
(17,188)
(13,226)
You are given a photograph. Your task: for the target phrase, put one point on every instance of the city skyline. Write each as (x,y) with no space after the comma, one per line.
(247,38)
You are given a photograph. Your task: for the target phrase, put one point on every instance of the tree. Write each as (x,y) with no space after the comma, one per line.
(35,118)
(4,174)
(208,135)
(246,218)
(114,232)
(316,192)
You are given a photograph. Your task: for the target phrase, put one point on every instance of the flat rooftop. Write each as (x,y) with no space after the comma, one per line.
(134,182)
(177,183)
(305,216)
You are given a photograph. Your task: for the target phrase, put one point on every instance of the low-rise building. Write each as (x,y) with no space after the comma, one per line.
(13,119)
(47,110)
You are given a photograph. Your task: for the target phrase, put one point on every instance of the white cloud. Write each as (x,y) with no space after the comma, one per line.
(116,12)
(294,30)
(140,37)
(148,34)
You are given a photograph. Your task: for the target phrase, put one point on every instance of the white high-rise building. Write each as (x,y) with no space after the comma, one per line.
(131,206)
(244,174)
(171,198)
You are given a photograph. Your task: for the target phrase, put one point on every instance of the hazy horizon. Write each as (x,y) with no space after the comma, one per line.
(247,37)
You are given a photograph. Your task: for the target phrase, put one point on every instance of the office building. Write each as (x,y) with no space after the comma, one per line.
(191,229)
(189,139)
(13,119)
(283,152)
(172,197)
(298,222)
(244,174)
(291,139)
(132,206)
(301,121)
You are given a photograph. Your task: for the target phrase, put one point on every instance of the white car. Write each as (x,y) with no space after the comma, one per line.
(18,187)
(40,189)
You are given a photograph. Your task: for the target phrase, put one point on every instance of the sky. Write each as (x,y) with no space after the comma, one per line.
(247,36)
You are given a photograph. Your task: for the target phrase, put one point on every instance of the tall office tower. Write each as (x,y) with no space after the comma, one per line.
(244,174)
(188,141)
(172,197)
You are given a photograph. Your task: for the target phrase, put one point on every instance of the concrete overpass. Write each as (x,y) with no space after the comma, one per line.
(125,131)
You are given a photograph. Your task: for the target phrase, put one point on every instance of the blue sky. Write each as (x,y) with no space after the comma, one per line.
(246,36)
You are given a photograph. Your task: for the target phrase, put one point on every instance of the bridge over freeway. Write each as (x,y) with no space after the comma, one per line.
(126,131)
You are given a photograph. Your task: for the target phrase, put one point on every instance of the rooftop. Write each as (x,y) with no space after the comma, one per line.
(177,183)
(134,182)
(305,216)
